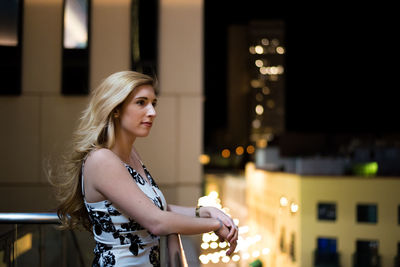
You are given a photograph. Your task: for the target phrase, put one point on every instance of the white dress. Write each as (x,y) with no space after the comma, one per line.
(120,241)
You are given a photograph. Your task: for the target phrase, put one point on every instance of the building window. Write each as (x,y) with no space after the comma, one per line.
(75,59)
(397,258)
(282,244)
(326,245)
(367,213)
(398,250)
(367,253)
(326,253)
(11,43)
(292,248)
(327,211)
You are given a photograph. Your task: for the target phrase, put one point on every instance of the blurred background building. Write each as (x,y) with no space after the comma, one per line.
(306,132)
(284,115)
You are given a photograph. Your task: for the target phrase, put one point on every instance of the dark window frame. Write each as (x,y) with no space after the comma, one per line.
(361,214)
(320,216)
(75,62)
(11,60)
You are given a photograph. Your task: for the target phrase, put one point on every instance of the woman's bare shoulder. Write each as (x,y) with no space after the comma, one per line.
(102,156)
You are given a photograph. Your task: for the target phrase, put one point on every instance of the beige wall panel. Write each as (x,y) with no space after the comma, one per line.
(110,50)
(159,149)
(40,123)
(59,119)
(170,193)
(188,195)
(41,68)
(19,120)
(185,195)
(26,198)
(179,194)
(181,46)
(190,138)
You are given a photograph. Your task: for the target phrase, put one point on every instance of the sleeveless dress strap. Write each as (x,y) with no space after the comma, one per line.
(82,182)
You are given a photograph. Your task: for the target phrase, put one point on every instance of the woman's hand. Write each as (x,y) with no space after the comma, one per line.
(223,234)
(228,232)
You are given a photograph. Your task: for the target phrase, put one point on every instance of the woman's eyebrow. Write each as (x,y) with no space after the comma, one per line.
(145,98)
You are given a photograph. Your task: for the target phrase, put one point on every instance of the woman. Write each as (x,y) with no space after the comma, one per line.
(107,188)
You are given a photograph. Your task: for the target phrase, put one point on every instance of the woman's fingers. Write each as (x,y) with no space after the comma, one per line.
(229,234)
(220,236)
(232,232)
(232,244)
(234,238)
(231,249)
(228,222)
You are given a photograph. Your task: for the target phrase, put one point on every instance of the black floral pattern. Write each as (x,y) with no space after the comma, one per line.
(135,175)
(136,244)
(103,256)
(152,236)
(101,222)
(111,210)
(154,256)
(153,183)
(132,226)
(157,201)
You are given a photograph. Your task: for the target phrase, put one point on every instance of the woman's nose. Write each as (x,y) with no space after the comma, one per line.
(151,111)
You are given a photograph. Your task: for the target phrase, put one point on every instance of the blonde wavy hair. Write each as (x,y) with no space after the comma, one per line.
(96,129)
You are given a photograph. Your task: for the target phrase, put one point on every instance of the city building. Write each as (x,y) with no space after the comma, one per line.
(293,220)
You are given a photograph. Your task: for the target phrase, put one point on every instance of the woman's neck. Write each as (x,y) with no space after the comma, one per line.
(122,148)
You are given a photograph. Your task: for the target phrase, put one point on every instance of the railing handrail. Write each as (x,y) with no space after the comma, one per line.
(175,255)
(29,218)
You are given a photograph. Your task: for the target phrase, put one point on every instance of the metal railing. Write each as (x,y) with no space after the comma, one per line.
(22,232)
(32,239)
(171,250)
(29,218)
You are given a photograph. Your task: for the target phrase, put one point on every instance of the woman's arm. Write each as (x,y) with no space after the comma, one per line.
(211,212)
(188,211)
(204,212)
(105,173)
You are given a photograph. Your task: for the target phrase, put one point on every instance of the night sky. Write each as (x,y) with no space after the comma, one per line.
(341,65)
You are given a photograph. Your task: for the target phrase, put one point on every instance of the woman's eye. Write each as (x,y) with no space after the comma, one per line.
(154,104)
(140,102)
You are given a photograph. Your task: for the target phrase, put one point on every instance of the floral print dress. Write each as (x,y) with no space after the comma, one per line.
(120,241)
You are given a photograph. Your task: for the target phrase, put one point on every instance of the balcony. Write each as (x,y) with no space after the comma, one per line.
(366,259)
(33,239)
(326,259)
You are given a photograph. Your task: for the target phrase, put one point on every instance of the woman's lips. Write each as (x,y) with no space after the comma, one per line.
(148,124)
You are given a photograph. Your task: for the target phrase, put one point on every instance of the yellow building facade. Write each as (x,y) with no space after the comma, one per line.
(283,209)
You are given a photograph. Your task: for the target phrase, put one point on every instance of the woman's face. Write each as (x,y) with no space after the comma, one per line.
(137,112)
